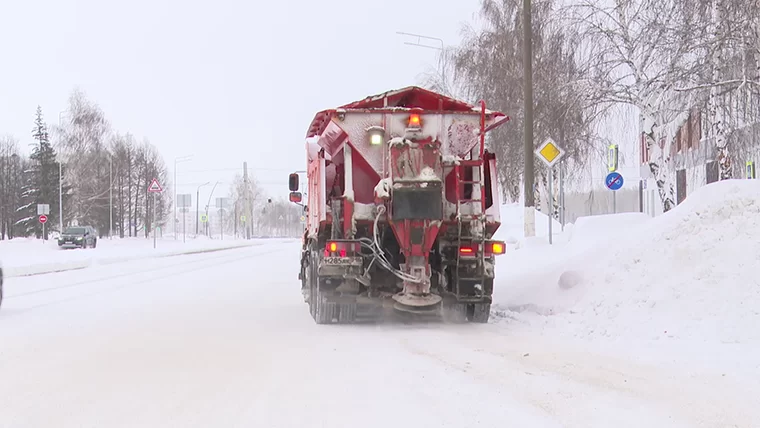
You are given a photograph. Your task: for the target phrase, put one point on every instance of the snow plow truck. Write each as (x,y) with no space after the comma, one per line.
(401,203)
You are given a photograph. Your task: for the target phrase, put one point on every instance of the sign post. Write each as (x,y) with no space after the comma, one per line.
(612,166)
(551,153)
(222,204)
(614,181)
(184,202)
(154,188)
(43,220)
(43,210)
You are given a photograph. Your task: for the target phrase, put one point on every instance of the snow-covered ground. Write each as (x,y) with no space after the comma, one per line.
(626,321)
(679,291)
(26,256)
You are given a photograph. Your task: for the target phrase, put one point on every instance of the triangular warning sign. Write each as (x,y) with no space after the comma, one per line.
(155,187)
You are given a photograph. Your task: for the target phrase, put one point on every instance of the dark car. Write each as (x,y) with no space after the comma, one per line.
(78,237)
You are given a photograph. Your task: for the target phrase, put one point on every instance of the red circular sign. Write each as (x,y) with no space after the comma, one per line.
(43,218)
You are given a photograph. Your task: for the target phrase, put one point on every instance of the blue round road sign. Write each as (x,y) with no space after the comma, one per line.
(614,181)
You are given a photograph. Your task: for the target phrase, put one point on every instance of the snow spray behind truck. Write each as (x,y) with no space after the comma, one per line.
(401,205)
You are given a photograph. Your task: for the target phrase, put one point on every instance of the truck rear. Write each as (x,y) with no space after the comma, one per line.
(401,207)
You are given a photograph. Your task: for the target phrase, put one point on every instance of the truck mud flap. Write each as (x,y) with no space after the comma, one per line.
(342,310)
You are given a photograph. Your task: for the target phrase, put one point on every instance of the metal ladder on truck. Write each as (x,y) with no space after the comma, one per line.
(478,195)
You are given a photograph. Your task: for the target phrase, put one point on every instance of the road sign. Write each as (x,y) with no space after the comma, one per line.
(614,181)
(204,218)
(184,200)
(43,209)
(43,219)
(612,158)
(550,152)
(303,218)
(751,173)
(223,203)
(242,218)
(155,187)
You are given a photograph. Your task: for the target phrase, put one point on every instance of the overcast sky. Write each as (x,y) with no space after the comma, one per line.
(225,81)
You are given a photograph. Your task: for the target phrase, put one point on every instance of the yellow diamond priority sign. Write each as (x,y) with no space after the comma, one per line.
(550,152)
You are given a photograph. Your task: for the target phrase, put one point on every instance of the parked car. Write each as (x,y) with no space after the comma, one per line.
(78,237)
(1,283)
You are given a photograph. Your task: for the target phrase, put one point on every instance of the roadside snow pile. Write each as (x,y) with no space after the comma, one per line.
(690,274)
(512,229)
(24,256)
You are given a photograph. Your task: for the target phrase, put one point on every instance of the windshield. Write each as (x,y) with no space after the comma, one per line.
(75,231)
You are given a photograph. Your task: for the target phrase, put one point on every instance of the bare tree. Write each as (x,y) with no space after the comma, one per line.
(12,168)
(488,65)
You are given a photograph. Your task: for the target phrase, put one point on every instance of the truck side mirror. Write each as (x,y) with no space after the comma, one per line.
(295,197)
(293,182)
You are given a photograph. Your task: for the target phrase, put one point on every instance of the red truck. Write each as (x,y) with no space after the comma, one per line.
(401,205)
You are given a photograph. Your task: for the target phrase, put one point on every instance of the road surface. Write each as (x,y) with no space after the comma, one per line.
(225,340)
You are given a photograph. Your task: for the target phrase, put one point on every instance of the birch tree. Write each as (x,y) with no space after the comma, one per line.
(640,58)
(730,82)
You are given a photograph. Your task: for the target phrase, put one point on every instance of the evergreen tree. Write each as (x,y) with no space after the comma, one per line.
(43,179)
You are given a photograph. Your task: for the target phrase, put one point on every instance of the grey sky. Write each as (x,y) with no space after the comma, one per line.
(225,81)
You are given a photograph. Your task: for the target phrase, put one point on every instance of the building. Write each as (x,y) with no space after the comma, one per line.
(693,153)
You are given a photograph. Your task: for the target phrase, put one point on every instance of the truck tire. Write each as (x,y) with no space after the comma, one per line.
(481,313)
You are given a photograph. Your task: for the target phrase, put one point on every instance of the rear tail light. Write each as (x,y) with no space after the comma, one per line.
(342,248)
(491,248)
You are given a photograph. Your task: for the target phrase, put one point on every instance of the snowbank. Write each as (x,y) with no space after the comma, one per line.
(22,257)
(512,229)
(690,274)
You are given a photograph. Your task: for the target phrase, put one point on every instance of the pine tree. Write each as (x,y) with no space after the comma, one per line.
(43,179)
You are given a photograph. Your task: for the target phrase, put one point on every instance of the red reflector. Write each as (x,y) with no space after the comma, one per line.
(343,252)
(414,120)
(466,250)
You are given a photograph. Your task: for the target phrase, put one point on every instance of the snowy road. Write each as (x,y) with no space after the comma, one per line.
(225,340)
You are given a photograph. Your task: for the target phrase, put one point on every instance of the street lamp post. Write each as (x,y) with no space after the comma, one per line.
(174,201)
(209,203)
(197,209)
(60,180)
(441,67)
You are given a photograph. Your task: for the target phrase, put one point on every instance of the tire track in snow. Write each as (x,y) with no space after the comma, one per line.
(572,386)
(172,269)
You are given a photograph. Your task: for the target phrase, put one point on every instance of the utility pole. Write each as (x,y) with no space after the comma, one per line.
(528,175)
(110,199)
(60,196)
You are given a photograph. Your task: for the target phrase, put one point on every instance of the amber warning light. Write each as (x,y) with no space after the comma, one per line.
(414,120)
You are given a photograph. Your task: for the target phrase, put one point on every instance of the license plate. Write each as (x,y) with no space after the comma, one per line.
(343,261)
